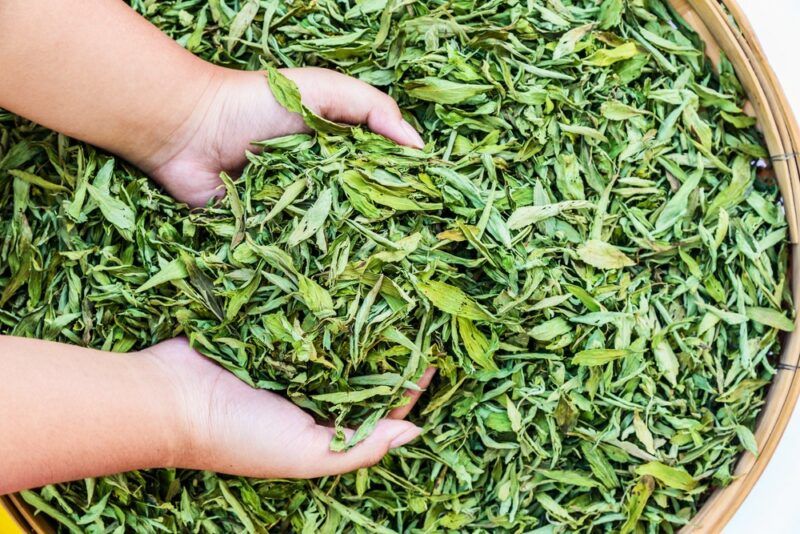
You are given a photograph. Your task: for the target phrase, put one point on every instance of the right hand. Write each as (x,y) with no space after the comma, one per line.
(238,108)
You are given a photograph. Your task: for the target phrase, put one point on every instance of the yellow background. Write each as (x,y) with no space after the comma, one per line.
(7,525)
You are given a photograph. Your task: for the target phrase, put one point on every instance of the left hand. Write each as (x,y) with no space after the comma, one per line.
(232,428)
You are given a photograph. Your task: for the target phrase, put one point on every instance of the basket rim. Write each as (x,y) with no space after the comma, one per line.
(732,33)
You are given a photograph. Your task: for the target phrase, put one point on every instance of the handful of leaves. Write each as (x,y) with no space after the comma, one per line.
(584,250)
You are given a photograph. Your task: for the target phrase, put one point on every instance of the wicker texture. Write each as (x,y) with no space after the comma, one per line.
(734,36)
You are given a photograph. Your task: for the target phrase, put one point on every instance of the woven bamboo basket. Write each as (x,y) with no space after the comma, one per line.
(723,27)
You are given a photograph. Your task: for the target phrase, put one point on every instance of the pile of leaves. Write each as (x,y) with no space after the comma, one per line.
(586,250)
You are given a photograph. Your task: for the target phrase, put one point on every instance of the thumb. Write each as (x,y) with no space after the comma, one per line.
(341,98)
(318,460)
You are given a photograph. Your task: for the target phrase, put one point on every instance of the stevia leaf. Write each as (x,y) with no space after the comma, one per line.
(283,89)
(638,499)
(313,219)
(41,505)
(350,514)
(238,509)
(452,300)
(666,360)
(673,477)
(241,296)
(770,317)
(444,91)
(237,209)
(678,204)
(478,347)
(174,270)
(242,21)
(566,45)
(747,439)
(603,255)
(316,297)
(18,155)
(114,210)
(528,215)
(610,14)
(554,508)
(572,478)
(617,111)
(36,180)
(593,357)
(600,466)
(735,191)
(344,397)
(551,329)
(585,131)
(609,56)
(289,195)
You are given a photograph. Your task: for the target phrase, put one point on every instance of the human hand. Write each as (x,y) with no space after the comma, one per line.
(238,108)
(233,428)
(119,83)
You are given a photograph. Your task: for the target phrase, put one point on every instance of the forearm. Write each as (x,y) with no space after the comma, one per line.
(68,412)
(97,71)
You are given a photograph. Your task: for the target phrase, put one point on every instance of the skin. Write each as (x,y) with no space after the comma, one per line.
(95,70)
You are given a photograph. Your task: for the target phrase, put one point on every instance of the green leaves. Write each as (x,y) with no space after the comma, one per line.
(528,215)
(603,255)
(672,477)
(571,478)
(678,204)
(735,191)
(444,91)
(637,500)
(288,95)
(609,56)
(584,251)
(617,111)
(666,360)
(346,397)
(313,219)
(566,45)
(284,90)
(314,296)
(36,180)
(452,300)
(241,22)
(594,357)
(174,270)
(770,317)
(478,347)
(114,210)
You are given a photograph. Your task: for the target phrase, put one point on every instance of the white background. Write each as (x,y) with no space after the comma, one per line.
(774,504)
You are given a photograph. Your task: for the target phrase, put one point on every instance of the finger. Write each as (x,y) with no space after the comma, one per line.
(413,395)
(341,98)
(318,460)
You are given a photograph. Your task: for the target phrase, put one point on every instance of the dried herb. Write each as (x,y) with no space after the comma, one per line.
(585,249)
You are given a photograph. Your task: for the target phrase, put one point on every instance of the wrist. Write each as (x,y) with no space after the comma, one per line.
(172,430)
(175,123)
(184,381)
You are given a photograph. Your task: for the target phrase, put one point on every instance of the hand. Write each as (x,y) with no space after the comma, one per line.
(235,429)
(117,82)
(238,109)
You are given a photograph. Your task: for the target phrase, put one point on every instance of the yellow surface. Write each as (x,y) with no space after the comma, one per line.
(7,524)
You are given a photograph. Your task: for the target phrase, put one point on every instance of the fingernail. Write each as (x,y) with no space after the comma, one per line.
(404,437)
(413,138)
